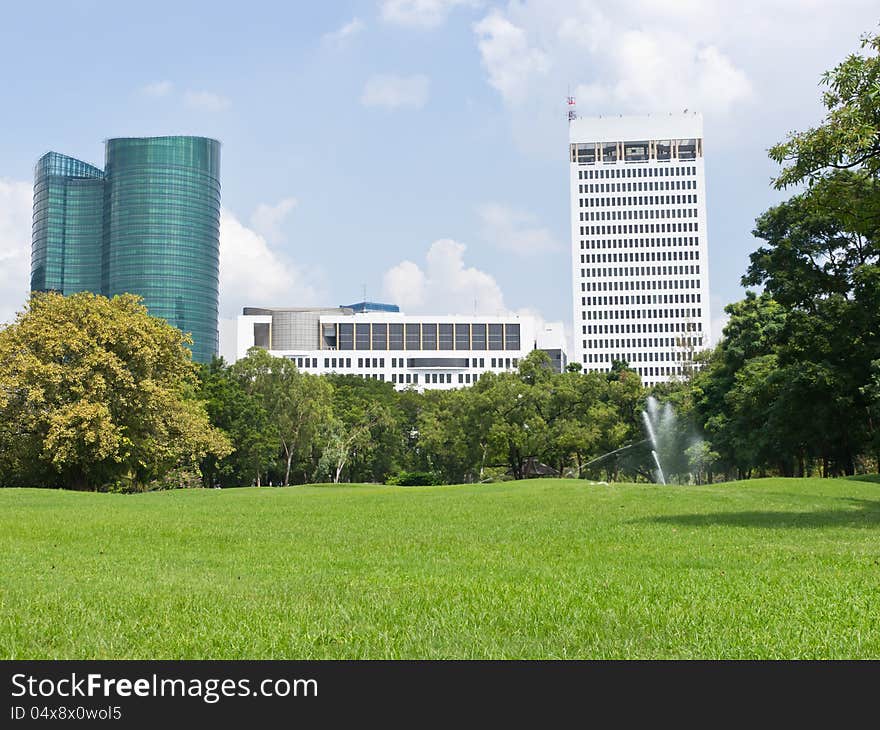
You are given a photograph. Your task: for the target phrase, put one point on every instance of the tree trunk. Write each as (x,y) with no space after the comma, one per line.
(287,470)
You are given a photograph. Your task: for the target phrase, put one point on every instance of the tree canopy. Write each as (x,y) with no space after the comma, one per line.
(96,393)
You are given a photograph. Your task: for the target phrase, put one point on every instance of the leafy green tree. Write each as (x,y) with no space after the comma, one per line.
(298,405)
(364,436)
(243,418)
(453,434)
(96,393)
(753,332)
(850,135)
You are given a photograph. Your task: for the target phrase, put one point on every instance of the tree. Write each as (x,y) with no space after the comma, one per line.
(96,393)
(364,436)
(753,332)
(243,418)
(850,135)
(298,405)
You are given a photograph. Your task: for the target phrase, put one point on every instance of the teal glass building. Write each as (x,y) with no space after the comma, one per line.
(147,224)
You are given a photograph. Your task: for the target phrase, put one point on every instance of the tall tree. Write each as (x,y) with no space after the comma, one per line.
(297,404)
(242,416)
(96,393)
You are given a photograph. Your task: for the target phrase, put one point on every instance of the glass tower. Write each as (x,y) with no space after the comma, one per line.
(147,224)
(68,225)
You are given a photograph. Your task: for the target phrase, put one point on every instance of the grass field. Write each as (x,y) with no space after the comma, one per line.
(537,569)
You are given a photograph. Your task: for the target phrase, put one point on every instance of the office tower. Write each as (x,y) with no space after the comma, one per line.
(147,224)
(639,249)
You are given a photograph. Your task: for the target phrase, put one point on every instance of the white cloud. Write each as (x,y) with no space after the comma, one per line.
(345,33)
(513,230)
(637,55)
(513,65)
(392,91)
(268,219)
(16,205)
(253,274)
(157,89)
(206,101)
(661,70)
(423,14)
(444,286)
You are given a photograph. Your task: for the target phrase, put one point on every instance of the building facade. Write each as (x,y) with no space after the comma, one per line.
(639,248)
(147,224)
(449,351)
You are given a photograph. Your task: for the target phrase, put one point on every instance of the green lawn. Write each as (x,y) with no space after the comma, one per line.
(536,569)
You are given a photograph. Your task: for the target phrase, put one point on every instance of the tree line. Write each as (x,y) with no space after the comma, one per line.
(295,427)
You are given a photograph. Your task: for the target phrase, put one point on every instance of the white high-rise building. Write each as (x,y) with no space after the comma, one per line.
(639,249)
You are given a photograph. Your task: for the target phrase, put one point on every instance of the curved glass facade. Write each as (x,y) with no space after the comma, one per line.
(68,225)
(161,224)
(147,224)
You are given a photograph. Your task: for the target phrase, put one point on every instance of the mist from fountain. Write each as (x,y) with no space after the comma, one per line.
(668,443)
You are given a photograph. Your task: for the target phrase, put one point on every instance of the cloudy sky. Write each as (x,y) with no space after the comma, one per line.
(412,149)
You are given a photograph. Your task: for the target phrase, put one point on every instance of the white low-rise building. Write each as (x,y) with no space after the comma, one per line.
(379,342)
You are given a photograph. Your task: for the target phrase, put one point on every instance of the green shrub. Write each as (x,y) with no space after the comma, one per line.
(414,479)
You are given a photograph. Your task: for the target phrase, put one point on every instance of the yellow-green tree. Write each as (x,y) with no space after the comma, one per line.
(95,393)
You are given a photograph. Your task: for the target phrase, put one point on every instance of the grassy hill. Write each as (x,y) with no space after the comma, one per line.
(535,569)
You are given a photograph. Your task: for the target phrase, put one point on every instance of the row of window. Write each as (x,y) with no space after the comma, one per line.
(652,371)
(643,342)
(432,378)
(640,284)
(652,299)
(637,357)
(637,187)
(624,314)
(638,228)
(623,172)
(662,242)
(615,215)
(421,336)
(606,329)
(475,362)
(638,200)
(614,258)
(690,313)
(642,271)
(379,362)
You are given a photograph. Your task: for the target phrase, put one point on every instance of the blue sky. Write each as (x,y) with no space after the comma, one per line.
(416,148)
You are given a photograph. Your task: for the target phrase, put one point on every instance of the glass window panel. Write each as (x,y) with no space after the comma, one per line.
(478,333)
(413,337)
(380,336)
(362,337)
(511,337)
(445,336)
(496,336)
(429,336)
(395,336)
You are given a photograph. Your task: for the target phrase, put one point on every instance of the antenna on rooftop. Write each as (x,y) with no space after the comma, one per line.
(572,107)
